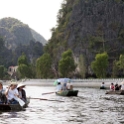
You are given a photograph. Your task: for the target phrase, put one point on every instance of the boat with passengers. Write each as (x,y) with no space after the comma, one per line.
(14,107)
(67,93)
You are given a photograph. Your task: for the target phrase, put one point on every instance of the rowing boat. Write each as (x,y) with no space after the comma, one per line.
(67,93)
(103,88)
(13,107)
(115,92)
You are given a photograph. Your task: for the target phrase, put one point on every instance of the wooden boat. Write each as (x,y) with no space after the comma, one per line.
(67,93)
(115,92)
(103,88)
(13,107)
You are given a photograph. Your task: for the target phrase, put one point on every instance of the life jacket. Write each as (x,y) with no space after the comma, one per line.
(112,87)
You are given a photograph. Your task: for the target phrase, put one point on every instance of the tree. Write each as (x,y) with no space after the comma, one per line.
(25,71)
(100,65)
(82,66)
(120,63)
(23,67)
(43,66)
(22,59)
(66,64)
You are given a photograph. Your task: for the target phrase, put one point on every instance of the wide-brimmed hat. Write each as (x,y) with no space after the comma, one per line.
(21,85)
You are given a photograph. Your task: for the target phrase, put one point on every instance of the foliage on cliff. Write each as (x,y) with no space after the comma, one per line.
(88,27)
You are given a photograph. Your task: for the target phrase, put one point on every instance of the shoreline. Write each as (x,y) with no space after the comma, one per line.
(89,83)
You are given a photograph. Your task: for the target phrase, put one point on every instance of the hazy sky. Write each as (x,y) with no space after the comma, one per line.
(40,15)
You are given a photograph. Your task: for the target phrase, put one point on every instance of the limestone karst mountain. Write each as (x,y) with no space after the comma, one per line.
(15,33)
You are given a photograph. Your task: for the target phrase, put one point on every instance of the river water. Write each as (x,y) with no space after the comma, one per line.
(92,106)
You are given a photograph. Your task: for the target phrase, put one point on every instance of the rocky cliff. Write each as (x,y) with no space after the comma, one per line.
(16,33)
(89,27)
(17,38)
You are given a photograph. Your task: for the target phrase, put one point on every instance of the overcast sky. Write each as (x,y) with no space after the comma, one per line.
(40,15)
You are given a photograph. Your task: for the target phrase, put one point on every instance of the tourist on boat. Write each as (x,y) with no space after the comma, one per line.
(117,86)
(3,99)
(59,87)
(69,86)
(12,93)
(102,86)
(122,87)
(112,87)
(64,86)
(22,93)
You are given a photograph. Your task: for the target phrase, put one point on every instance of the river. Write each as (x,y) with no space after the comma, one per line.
(92,106)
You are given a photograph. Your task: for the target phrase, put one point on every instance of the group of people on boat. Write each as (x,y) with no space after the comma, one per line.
(114,87)
(64,86)
(10,94)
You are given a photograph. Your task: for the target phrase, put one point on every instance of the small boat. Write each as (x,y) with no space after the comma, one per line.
(13,107)
(115,92)
(103,88)
(67,93)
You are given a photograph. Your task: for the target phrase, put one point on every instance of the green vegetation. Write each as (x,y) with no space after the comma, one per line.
(100,65)
(120,63)
(23,67)
(66,64)
(43,66)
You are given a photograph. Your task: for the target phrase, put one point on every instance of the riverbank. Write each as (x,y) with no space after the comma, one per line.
(90,83)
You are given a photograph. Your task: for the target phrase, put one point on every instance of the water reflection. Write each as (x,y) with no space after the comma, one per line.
(92,106)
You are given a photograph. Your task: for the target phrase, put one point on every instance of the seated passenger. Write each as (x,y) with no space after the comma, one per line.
(122,87)
(69,86)
(3,99)
(102,86)
(112,87)
(22,93)
(58,87)
(116,87)
(11,93)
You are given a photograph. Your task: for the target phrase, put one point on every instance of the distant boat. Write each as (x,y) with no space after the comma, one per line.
(67,93)
(115,92)
(103,88)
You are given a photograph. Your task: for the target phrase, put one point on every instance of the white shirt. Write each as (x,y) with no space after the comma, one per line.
(59,87)
(122,87)
(11,93)
(68,86)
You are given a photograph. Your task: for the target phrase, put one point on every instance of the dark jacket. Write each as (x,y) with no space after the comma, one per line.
(23,95)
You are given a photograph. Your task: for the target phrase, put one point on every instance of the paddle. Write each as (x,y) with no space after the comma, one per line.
(47,99)
(21,102)
(47,93)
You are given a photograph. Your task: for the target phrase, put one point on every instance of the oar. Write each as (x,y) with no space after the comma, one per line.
(47,93)
(21,102)
(47,99)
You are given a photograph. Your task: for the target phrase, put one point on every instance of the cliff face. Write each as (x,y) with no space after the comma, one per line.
(16,33)
(89,27)
(96,26)
(18,38)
